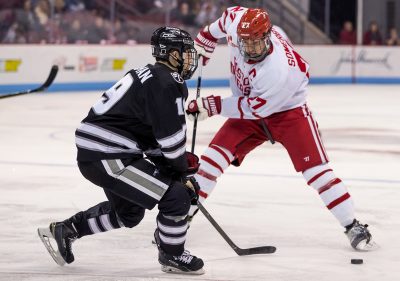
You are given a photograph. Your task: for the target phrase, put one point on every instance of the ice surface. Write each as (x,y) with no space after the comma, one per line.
(264,202)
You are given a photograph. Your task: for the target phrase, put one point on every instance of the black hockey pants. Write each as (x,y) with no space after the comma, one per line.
(131,186)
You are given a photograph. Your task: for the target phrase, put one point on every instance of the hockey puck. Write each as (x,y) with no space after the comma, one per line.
(357,261)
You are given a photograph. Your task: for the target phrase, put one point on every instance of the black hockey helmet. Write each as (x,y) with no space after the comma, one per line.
(166,39)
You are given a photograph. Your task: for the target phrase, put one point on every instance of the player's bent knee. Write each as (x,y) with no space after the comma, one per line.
(176,201)
(132,216)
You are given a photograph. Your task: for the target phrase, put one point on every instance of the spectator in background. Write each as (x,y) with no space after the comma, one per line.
(207,14)
(97,31)
(42,11)
(15,35)
(75,5)
(76,33)
(183,14)
(347,35)
(26,18)
(393,39)
(372,36)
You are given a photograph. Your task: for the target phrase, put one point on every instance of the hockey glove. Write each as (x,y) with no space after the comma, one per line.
(193,164)
(205,44)
(193,188)
(204,107)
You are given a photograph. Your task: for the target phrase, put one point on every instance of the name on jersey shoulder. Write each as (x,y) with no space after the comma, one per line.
(177,77)
(143,73)
(285,44)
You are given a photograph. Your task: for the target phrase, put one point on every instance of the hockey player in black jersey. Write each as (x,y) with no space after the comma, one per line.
(133,145)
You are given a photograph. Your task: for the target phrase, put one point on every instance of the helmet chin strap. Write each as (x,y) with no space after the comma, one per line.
(180,62)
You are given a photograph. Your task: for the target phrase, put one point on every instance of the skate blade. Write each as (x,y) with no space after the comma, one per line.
(45,235)
(366,247)
(174,270)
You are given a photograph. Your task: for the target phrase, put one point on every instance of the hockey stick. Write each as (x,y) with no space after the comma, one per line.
(197,96)
(46,84)
(239,251)
(267,132)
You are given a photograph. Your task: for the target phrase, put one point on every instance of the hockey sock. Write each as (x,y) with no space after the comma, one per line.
(172,233)
(99,218)
(332,191)
(212,164)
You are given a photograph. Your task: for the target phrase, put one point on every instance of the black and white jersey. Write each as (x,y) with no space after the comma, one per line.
(142,113)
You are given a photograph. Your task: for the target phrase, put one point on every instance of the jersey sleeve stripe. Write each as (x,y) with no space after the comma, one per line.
(225,16)
(96,146)
(221,27)
(107,135)
(175,154)
(173,139)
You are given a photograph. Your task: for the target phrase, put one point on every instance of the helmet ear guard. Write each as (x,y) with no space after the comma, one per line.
(167,39)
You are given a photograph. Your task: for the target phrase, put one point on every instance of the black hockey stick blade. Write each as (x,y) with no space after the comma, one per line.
(46,84)
(239,251)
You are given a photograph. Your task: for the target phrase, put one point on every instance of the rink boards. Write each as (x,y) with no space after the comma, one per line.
(96,67)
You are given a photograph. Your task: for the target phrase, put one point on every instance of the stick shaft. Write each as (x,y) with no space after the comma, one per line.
(195,118)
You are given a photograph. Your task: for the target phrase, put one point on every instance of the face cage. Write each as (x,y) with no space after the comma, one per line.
(264,49)
(190,62)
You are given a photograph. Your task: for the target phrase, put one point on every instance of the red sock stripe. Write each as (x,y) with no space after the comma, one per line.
(203,194)
(213,146)
(211,162)
(318,175)
(206,175)
(329,185)
(338,201)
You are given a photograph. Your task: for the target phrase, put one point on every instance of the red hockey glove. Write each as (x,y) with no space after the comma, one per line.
(204,107)
(193,164)
(205,44)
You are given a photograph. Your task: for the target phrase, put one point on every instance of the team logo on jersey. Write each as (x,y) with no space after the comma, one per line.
(177,77)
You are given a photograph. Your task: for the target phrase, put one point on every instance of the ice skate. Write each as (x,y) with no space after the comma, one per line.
(183,264)
(360,237)
(64,234)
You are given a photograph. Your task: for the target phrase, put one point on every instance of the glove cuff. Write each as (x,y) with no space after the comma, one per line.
(213,105)
(206,40)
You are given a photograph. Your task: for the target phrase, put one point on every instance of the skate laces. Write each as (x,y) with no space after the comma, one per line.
(186,257)
(358,232)
(359,228)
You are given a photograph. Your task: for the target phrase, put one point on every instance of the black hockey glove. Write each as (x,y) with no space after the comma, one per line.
(193,188)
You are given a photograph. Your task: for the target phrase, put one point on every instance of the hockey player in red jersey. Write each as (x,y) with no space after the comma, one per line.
(268,80)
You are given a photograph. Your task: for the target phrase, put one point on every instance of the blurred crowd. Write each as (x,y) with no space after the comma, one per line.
(97,21)
(372,36)
(125,21)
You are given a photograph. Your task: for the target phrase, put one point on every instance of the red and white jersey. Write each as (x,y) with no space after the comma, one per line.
(259,89)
